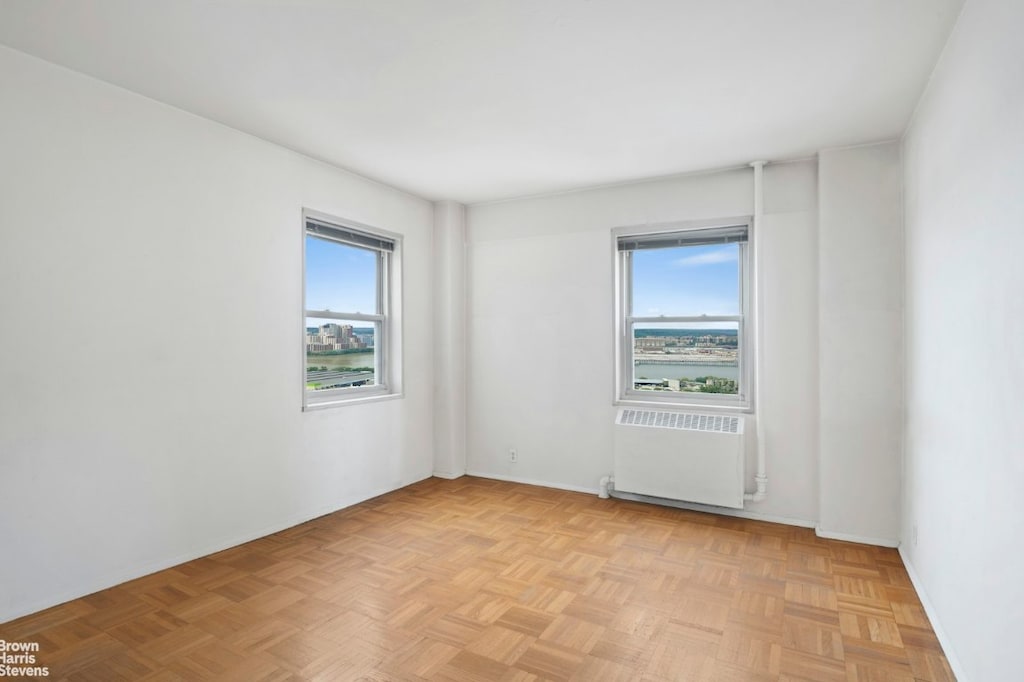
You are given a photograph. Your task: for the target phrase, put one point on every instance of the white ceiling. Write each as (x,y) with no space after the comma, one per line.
(475,100)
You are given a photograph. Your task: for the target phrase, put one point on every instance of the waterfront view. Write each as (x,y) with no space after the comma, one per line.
(339,355)
(339,361)
(680,360)
(341,278)
(686,359)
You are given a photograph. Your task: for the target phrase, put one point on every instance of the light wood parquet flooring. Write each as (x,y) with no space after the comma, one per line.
(483,580)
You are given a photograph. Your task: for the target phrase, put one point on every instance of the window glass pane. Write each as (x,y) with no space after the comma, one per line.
(340,278)
(687,281)
(340,353)
(694,357)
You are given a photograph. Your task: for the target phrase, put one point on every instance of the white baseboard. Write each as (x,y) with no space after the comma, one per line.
(929,609)
(449,475)
(862,539)
(530,481)
(24,609)
(710,509)
(739,513)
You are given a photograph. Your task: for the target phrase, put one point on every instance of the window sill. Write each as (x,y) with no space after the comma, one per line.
(683,406)
(354,400)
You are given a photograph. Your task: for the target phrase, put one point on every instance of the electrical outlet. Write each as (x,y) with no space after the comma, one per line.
(513,456)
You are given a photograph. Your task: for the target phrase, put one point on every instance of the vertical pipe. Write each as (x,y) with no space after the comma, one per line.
(761,478)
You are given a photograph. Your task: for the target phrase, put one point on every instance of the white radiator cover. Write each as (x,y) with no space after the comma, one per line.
(689,457)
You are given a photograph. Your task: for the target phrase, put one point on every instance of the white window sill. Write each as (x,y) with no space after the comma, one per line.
(354,400)
(684,406)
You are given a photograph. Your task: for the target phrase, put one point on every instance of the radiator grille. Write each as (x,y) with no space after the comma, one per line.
(715,423)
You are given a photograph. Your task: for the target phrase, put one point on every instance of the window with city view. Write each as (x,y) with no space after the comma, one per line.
(683,305)
(347,272)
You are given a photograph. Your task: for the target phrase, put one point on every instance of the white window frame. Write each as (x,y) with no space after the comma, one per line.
(625,393)
(387,347)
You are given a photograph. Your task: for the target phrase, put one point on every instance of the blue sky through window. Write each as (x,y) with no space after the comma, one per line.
(340,278)
(686,281)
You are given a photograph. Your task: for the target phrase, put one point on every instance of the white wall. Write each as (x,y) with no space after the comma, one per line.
(964,468)
(860,313)
(150,354)
(541,327)
(449,339)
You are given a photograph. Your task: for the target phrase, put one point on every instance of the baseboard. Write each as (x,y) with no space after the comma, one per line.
(530,481)
(690,506)
(929,609)
(710,509)
(142,570)
(862,539)
(449,475)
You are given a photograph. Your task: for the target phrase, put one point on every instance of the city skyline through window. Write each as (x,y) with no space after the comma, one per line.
(345,310)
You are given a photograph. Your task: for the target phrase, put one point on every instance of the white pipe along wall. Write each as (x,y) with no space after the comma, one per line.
(761,477)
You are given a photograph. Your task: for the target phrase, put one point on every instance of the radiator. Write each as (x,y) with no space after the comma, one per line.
(680,456)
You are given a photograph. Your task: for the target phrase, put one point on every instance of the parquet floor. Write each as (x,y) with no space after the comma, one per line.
(482,580)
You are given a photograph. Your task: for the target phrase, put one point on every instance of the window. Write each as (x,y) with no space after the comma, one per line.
(683,295)
(349,299)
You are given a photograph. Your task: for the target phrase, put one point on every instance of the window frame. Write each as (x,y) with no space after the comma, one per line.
(625,392)
(387,347)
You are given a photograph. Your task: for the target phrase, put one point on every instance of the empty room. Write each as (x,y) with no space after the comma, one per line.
(512,340)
